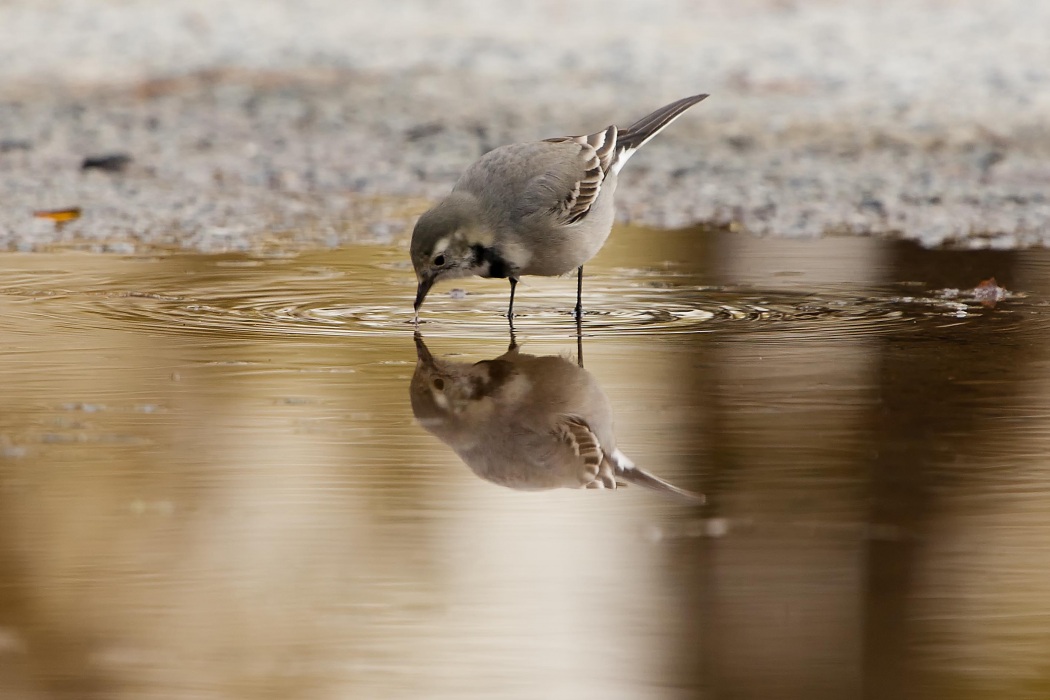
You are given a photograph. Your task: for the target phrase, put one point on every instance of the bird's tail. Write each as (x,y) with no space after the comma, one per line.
(638,134)
(633,474)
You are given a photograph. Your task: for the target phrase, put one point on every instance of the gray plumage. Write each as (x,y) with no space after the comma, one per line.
(526,422)
(538,208)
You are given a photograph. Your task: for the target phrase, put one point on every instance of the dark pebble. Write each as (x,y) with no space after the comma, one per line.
(111,163)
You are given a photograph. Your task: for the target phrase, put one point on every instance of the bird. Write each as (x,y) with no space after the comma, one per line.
(534,208)
(527,422)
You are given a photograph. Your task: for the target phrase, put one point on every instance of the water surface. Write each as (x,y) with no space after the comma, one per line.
(212,482)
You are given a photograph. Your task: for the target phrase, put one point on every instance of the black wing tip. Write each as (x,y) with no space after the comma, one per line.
(650,125)
(679,106)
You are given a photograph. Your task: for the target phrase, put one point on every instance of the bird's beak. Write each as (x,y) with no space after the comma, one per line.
(425,283)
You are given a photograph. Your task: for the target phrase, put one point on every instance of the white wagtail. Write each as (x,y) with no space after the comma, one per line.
(526,422)
(537,208)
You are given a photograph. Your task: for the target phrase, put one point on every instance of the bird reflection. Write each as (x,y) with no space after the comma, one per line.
(526,422)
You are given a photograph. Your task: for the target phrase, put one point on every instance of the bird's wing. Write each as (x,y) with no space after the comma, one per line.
(603,153)
(596,158)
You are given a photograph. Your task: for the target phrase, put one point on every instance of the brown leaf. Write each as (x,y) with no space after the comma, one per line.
(988,292)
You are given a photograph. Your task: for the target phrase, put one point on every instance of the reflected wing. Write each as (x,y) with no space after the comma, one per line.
(586,454)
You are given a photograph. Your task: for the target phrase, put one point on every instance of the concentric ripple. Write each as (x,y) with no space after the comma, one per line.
(245,297)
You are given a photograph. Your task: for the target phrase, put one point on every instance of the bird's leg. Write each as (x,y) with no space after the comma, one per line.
(579,294)
(513,338)
(579,342)
(510,309)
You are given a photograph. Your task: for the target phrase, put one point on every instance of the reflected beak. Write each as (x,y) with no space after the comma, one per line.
(425,284)
(422,353)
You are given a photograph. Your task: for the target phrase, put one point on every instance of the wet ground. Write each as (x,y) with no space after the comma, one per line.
(213,484)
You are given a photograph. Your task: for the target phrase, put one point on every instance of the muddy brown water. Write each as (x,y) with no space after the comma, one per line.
(212,483)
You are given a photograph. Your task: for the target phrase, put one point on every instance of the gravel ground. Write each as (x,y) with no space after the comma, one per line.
(319,122)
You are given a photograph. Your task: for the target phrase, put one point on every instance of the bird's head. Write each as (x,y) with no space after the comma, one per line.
(445,243)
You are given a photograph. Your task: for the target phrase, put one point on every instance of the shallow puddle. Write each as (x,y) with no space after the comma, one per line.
(213,482)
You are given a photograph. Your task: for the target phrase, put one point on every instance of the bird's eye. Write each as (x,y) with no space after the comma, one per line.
(439,260)
(439,384)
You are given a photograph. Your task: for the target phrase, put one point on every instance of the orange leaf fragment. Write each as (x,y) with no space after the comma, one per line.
(58,215)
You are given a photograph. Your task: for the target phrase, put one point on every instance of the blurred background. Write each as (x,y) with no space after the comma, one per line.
(928,119)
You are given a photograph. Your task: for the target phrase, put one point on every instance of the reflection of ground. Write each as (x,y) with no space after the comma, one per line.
(926,118)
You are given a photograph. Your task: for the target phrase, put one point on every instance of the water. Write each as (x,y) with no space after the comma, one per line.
(212,483)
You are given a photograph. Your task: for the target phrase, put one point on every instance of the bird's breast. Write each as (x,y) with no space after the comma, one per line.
(568,247)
